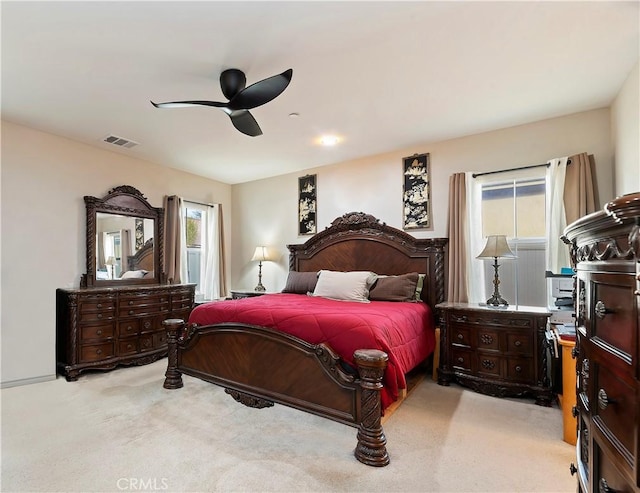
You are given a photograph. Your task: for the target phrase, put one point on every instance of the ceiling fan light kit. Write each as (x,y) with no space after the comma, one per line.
(241,98)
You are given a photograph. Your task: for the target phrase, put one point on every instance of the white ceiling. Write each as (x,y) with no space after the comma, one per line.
(383,75)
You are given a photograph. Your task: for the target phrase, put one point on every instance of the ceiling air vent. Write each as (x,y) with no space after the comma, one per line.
(119,141)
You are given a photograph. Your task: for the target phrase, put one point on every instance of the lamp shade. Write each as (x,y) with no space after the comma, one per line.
(496,246)
(111,261)
(261,254)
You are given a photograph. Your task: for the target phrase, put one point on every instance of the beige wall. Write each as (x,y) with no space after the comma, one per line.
(625,130)
(44,180)
(265,211)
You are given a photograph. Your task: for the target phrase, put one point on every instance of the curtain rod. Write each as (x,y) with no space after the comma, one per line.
(514,169)
(192,201)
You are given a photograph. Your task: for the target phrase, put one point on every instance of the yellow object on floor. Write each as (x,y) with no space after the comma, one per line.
(568,398)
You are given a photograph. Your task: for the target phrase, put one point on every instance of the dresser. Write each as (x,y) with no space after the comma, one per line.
(605,249)
(101,328)
(495,351)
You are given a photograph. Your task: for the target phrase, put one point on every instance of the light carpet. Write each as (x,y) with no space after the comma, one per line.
(121,431)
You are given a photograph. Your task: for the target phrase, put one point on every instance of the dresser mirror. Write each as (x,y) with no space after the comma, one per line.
(124,240)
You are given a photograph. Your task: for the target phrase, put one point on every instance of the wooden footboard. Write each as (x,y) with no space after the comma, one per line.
(258,366)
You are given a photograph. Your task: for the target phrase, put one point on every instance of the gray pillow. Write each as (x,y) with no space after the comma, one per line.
(301,282)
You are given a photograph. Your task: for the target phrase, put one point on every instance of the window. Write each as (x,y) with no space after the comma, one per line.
(513,204)
(202,252)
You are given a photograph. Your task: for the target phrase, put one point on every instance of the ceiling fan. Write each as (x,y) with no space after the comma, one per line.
(241,98)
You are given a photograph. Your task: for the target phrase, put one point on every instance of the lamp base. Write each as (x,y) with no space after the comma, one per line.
(260,288)
(497,300)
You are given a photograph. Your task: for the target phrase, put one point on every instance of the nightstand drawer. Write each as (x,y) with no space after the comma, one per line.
(519,369)
(519,343)
(489,365)
(461,359)
(460,335)
(488,339)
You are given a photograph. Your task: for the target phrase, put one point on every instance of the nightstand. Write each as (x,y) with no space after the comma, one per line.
(237,294)
(495,351)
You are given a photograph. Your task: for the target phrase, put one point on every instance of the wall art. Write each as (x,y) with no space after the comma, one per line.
(307,203)
(416,192)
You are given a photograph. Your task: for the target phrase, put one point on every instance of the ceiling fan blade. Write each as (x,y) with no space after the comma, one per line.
(245,122)
(186,104)
(232,81)
(261,92)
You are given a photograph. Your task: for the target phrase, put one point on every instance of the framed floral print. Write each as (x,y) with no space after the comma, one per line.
(416,192)
(307,202)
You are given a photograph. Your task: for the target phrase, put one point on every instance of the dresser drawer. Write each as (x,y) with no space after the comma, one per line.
(181,303)
(614,408)
(607,477)
(500,319)
(611,310)
(127,346)
(102,331)
(146,342)
(159,339)
(96,352)
(96,304)
(128,328)
(138,310)
(87,316)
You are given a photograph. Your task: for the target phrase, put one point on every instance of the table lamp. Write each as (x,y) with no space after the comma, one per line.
(261,254)
(495,248)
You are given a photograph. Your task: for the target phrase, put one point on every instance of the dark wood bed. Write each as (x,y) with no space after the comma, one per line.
(258,366)
(143,259)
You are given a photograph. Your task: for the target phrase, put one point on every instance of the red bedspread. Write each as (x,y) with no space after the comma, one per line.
(404,331)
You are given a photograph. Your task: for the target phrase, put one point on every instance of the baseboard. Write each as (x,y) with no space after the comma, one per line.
(27,381)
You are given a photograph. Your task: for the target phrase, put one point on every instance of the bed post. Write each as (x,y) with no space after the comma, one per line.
(371,448)
(173,378)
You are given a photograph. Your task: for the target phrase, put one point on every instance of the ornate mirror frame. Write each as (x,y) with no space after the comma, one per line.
(128,201)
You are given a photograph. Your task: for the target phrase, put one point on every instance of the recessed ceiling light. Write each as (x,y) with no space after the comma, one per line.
(294,115)
(329,140)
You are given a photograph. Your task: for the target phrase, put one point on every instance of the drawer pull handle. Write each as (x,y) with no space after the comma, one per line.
(573,469)
(601,310)
(574,352)
(518,369)
(129,328)
(99,332)
(574,411)
(99,305)
(128,346)
(130,302)
(98,351)
(518,343)
(460,360)
(460,337)
(604,487)
(604,400)
(131,312)
(99,315)
(147,324)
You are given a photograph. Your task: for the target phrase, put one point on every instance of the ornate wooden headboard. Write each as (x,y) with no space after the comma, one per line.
(358,241)
(143,258)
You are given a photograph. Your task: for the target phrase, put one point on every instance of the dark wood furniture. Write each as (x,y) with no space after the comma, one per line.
(237,294)
(495,351)
(605,249)
(110,322)
(102,328)
(259,366)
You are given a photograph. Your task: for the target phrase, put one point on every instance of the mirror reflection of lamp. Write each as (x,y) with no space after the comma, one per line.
(496,247)
(110,263)
(261,254)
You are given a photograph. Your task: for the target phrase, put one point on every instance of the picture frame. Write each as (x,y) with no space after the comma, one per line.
(416,192)
(307,205)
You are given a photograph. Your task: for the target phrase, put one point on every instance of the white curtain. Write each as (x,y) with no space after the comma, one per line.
(557,252)
(212,263)
(475,243)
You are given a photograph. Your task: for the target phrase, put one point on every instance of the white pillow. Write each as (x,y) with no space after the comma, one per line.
(133,274)
(347,286)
